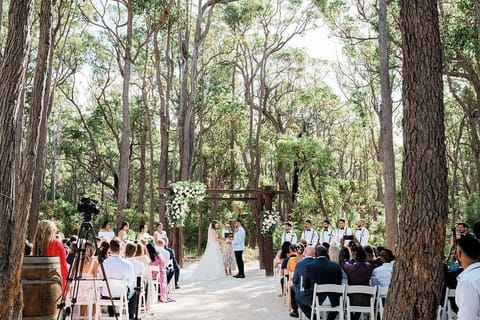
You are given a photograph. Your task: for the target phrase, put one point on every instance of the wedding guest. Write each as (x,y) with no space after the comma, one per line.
(295,288)
(334,255)
(103,250)
(105,231)
(157,260)
(173,260)
(282,262)
(117,267)
(228,256)
(159,233)
(89,271)
(143,232)
(45,244)
(359,273)
(320,271)
(138,267)
(122,233)
(143,256)
(382,275)
(467,293)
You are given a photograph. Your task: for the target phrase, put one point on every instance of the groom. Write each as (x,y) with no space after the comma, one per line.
(238,245)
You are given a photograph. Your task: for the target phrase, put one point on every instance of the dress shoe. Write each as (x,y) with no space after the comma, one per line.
(294,314)
(239,276)
(177,286)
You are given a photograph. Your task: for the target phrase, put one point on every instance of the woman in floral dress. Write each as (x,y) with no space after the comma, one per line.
(228,255)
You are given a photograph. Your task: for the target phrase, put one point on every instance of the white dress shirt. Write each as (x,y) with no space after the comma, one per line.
(118,268)
(343,232)
(138,267)
(467,294)
(362,236)
(382,275)
(289,236)
(327,236)
(163,253)
(311,236)
(238,243)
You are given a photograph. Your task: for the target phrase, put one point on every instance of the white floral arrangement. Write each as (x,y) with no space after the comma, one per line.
(183,194)
(269,221)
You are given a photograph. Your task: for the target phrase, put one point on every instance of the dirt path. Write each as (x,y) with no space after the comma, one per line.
(255,297)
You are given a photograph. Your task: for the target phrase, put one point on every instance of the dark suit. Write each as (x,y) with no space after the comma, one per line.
(320,271)
(299,272)
(176,269)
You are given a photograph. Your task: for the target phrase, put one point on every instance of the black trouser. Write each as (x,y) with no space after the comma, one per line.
(293,292)
(239,259)
(170,274)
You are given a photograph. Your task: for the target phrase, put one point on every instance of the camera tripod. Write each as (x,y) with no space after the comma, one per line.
(75,272)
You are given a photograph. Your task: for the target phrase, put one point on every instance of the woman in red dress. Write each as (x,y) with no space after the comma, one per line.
(45,244)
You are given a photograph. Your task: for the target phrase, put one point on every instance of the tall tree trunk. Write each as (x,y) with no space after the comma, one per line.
(124,173)
(418,271)
(386,132)
(12,84)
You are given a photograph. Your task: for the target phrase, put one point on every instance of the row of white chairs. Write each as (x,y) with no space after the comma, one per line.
(345,307)
(445,311)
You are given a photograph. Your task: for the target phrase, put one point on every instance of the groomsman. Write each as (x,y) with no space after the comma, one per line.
(238,245)
(327,235)
(288,234)
(310,235)
(362,233)
(343,230)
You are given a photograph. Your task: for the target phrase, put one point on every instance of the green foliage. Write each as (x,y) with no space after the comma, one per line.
(472,210)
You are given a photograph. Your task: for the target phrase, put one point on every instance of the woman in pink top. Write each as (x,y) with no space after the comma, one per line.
(157,260)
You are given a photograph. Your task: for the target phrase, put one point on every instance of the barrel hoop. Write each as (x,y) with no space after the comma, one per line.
(50,280)
(42,266)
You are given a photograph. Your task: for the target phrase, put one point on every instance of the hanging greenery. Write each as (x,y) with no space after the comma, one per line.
(269,221)
(184,193)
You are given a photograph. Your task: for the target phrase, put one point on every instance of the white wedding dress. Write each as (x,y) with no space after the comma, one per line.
(210,266)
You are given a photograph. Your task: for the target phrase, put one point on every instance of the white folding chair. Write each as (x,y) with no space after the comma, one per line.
(156,281)
(119,289)
(381,294)
(85,285)
(366,290)
(447,313)
(285,287)
(318,308)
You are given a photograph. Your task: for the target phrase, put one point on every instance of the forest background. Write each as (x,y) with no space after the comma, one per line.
(123,98)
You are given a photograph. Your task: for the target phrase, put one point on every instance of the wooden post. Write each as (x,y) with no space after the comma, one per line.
(268,241)
(258,207)
(177,234)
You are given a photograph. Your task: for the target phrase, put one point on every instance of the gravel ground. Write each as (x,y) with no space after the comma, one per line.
(255,297)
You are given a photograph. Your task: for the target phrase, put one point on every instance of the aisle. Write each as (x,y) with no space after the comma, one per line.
(254,297)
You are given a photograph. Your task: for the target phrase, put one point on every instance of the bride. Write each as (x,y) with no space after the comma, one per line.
(210,266)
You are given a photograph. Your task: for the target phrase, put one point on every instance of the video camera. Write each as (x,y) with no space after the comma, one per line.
(88,206)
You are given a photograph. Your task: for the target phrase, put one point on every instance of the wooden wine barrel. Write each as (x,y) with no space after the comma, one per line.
(42,287)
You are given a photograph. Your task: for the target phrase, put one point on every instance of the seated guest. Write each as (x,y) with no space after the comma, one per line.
(334,255)
(371,256)
(138,267)
(282,262)
(358,273)
(320,271)
(176,268)
(467,293)
(117,267)
(158,260)
(45,244)
(381,276)
(297,275)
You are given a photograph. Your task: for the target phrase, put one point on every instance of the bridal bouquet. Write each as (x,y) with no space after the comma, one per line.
(178,203)
(269,221)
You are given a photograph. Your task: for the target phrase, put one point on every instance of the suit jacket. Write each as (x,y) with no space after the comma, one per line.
(172,257)
(300,271)
(323,271)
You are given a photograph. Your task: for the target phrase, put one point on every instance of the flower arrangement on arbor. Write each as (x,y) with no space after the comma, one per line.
(269,221)
(184,193)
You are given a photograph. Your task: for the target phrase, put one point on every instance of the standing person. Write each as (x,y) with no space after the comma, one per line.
(328,234)
(342,231)
(175,266)
(210,266)
(462,229)
(228,255)
(310,235)
(238,245)
(467,293)
(320,271)
(106,231)
(45,244)
(288,234)
(159,233)
(362,235)
(122,233)
(143,232)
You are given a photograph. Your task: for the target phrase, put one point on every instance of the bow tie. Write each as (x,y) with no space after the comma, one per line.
(287,232)
(342,228)
(308,230)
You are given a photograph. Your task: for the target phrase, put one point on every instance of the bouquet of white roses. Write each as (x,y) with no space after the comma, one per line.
(183,194)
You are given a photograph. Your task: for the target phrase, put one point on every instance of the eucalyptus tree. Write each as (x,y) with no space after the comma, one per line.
(12,86)
(418,272)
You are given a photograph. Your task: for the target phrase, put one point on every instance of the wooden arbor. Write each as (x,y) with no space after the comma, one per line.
(260,199)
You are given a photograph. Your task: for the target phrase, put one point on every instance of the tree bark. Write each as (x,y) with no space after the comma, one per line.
(418,270)
(124,172)
(12,85)
(386,132)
